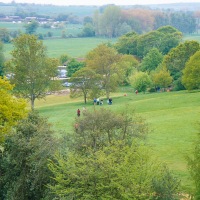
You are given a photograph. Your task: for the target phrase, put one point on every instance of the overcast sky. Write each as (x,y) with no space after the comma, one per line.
(100,2)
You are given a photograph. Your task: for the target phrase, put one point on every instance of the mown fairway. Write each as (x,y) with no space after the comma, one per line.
(172,119)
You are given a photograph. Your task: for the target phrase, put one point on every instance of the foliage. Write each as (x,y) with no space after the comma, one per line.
(31,27)
(85,82)
(161,78)
(163,39)
(129,64)
(191,78)
(194,167)
(73,66)
(127,44)
(140,81)
(176,59)
(183,21)
(106,163)
(103,60)
(88,30)
(151,60)
(12,109)
(63,59)
(32,70)
(106,128)
(4,35)
(140,20)
(109,21)
(23,165)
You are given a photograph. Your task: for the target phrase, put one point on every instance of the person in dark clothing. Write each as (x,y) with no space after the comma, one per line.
(78,112)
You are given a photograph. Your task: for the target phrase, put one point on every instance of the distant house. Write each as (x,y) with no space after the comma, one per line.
(28,19)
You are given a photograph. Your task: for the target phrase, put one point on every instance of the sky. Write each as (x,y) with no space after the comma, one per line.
(100,2)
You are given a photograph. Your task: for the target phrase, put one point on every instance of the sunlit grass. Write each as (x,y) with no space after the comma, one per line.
(172,118)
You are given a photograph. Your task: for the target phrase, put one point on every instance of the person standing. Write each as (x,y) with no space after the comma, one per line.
(78,112)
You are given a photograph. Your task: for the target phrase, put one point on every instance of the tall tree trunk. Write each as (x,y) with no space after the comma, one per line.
(32,102)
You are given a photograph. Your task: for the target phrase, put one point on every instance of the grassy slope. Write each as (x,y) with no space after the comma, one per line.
(172,119)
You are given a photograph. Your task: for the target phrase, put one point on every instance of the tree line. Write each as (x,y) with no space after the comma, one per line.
(113,21)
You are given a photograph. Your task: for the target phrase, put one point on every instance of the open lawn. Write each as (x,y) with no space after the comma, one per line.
(74,47)
(172,118)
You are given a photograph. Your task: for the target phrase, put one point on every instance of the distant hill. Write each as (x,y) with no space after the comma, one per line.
(81,11)
(177,6)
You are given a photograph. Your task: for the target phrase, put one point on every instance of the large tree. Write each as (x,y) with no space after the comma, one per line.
(31,68)
(73,65)
(191,78)
(140,81)
(86,83)
(103,60)
(110,20)
(107,159)
(176,59)
(127,44)
(163,39)
(23,164)
(151,61)
(12,109)
(161,78)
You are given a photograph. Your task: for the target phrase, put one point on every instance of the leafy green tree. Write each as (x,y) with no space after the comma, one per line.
(191,78)
(161,78)
(194,167)
(129,64)
(23,164)
(63,58)
(107,160)
(4,35)
(84,82)
(151,60)
(31,27)
(32,70)
(12,109)
(73,65)
(123,28)
(110,19)
(127,44)
(176,59)
(103,60)
(163,39)
(140,81)
(88,31)
(106,128)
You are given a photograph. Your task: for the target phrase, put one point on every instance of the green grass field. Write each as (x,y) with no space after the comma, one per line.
(172,118)
(74,47)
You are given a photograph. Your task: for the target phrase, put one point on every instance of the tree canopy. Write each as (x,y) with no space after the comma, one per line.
(191,78)
(86,83)
(103,61)
(23,164)
(151,61)
(108,160)
(12,109)
(32,70)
